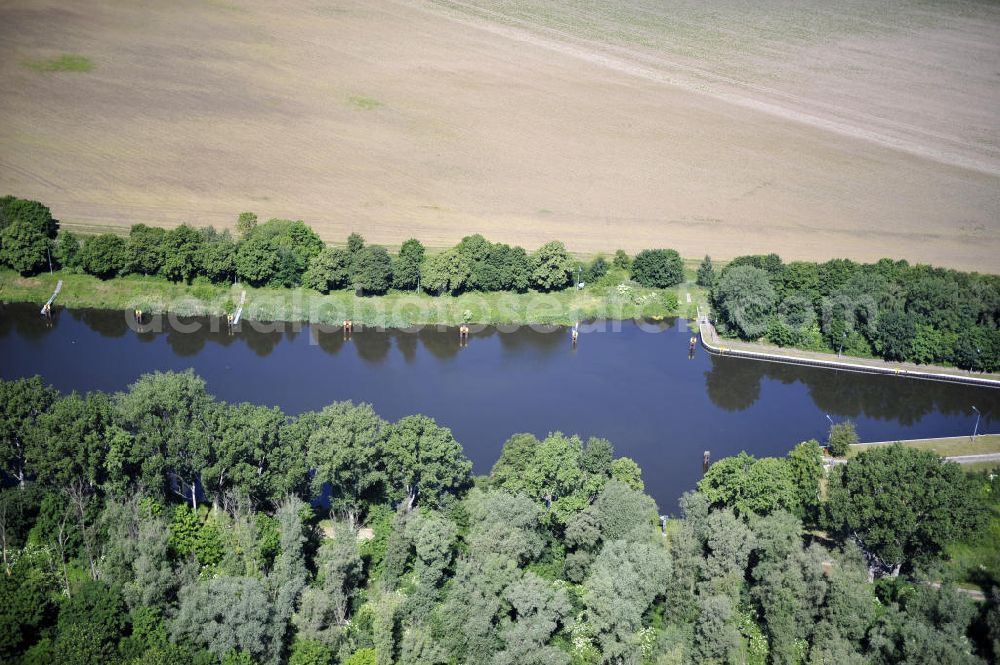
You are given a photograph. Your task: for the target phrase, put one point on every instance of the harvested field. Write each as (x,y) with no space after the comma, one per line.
(864,130)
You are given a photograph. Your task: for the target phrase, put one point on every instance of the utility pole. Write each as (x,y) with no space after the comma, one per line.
(975,430)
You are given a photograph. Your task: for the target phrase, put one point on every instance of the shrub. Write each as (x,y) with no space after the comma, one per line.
(841,437)
(659,268)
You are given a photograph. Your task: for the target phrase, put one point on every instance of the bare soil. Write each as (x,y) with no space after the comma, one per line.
(866,130)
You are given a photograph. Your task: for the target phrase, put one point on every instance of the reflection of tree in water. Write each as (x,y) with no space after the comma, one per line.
(733,384)
(105,322)
(883,397)
(545,339)
(372,345)
(26,320)
(328,338)
(407,342)
(184,343)
(657,326)
(440,344)
(261,336)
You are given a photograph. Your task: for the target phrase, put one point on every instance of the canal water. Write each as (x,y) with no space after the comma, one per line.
(634,383)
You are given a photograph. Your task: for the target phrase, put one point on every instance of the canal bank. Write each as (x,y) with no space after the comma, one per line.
(716,345)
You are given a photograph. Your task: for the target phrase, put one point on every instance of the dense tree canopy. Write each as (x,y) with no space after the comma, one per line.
(160,525)
(888,309)
(34,214)
(898,522)
(23,247)
(660,268)
(745,300)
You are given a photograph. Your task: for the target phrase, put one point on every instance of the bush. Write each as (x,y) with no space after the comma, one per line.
(659,268)
(841,437)
(621,260)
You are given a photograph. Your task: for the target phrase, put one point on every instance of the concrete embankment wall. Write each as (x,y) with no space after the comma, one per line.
(722,350)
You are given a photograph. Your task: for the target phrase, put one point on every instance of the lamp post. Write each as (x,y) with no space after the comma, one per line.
(841,352)
(579,275)
(975,430)
(49,254)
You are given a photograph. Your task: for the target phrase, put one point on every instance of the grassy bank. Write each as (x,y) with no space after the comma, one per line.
(945,447)
(395,309)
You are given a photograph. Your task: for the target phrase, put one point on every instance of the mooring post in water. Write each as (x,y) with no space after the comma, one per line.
(348,328)
(706,461)
(463,335)
(576,333)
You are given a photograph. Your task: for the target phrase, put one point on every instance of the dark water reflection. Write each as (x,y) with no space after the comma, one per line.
(636,386)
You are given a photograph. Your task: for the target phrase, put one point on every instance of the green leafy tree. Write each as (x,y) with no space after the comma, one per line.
(26,604)
(751,486)
(223,614)
(344,452)
(24,248)
(144,250)
(245,224)
(538,609)
(256,260)
(168,417)
(406,266)
(624,580)
(706,273)
(37,215)
(372,270)
(66,253)
(366,656)
(551,267)
(90,624)
(621,260)
(103,255)
(446,271)
(877,499)
(245,443)
(329,270)
(424,461)
(660,268)
(325,606)
(22,404)
(841,437)
(310,652)
(806,464)
(355,243)
(218,258)
(597,269)
(182,253)
(625,470)
(744,300)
